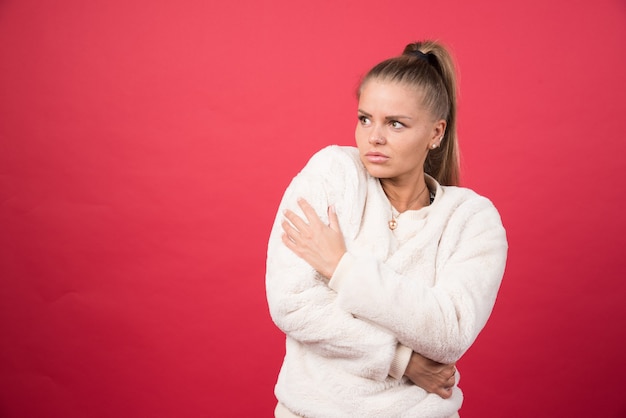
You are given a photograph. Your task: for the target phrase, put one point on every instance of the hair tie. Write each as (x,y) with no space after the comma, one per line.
(427,58)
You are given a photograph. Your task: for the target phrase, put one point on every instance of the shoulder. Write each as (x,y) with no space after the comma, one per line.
(332,169)
(464,197)
(336,168)
(464,205)
(472,228)
(449,199)
(335,175)
(334,157)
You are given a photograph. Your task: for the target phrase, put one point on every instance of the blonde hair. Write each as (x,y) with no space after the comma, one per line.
(429,67)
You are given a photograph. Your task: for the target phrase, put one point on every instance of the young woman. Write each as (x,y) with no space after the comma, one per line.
(381,271)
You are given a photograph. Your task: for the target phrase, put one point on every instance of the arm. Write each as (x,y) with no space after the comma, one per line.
(439,321)
(306,309)
(322,246)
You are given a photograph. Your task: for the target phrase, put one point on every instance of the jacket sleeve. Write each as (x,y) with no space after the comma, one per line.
(300,302)
(443,320)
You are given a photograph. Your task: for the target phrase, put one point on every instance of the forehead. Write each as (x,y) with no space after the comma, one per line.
(390,96)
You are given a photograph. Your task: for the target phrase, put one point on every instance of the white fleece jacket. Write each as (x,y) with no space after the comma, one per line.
(428,286)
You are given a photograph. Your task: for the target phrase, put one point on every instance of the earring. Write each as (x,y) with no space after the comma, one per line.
(433,146)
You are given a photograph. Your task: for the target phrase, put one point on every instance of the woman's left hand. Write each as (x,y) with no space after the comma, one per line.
(320,245)
(431,376)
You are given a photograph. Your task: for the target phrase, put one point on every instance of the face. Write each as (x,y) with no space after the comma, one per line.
(394,131)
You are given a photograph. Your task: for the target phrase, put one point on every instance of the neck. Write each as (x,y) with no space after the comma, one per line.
(403,198)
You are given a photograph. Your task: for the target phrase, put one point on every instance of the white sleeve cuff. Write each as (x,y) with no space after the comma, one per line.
(342,269)
(400,361)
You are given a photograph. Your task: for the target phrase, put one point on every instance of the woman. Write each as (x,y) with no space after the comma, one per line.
(380,270)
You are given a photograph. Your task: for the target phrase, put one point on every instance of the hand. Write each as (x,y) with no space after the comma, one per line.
(320,245)
(431,376)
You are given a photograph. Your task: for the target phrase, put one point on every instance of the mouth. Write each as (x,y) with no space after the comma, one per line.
(376,157)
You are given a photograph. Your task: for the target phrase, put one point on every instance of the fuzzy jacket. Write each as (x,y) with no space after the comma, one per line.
(428,286)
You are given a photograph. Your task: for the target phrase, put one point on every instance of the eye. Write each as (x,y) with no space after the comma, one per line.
(364,120)
(396,125)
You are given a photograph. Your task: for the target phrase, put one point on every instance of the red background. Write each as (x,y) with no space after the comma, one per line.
(144,146)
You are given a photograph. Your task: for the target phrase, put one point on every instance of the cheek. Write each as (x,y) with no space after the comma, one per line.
(359,134)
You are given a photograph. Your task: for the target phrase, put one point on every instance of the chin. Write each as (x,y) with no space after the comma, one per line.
(378,172)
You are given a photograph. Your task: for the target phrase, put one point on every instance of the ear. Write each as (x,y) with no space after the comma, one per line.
(439,129)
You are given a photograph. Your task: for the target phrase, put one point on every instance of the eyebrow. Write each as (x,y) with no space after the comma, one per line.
(391,117)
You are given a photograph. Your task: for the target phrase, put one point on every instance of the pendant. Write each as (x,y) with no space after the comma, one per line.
(393,224)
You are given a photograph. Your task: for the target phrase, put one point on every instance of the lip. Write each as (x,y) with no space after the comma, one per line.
(376,157)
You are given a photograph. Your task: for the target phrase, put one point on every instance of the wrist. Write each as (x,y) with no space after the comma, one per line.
(346,263)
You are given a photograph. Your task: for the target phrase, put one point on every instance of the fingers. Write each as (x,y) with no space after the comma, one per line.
(446,381)
(295,228)
(298,223)
(445,393)
(291,233)
(289,242)
(308,211)
(333,220)
(445,390)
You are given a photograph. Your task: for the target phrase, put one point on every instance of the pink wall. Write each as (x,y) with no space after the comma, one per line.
(144,147)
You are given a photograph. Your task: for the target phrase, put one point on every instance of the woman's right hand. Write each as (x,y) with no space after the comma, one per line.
(431,376)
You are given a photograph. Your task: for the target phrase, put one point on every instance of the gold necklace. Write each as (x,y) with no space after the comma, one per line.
(393,223)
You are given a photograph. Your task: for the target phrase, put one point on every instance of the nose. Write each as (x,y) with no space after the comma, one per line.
(377,137)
